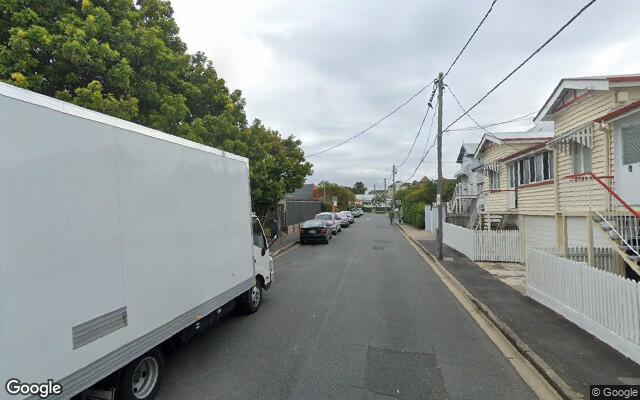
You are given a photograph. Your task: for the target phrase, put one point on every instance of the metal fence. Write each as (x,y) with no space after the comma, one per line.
(298,211)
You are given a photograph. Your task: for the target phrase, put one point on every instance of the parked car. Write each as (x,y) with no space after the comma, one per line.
(357,212)
(332,221)
(348,216)
(315,230)
(344,220)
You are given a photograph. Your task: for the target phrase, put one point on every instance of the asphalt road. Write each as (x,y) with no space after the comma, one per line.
(361,318)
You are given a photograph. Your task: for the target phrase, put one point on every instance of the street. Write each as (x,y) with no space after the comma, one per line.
(361,318)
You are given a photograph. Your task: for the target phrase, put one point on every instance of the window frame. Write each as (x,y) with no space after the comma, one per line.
(494,180)
(579,160)
(532,169)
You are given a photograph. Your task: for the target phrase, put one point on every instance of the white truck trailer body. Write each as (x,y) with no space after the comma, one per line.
(113,237)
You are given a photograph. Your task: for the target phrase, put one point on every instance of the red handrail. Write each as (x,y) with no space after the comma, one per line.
(607,188)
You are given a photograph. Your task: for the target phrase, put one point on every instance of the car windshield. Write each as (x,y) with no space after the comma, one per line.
(314,223)
(323,216)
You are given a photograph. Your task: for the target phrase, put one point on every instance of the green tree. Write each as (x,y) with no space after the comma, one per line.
(359,188)
(126,59)
(344,194)
(414,198)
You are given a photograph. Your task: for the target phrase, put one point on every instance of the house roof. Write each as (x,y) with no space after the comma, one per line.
(540,133)
(589,83)
(466,148)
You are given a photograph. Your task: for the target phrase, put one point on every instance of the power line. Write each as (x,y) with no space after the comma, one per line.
(465,111)
(583,9)
(470,38)
(362,132)
(415,139)
(475,121)
(426,150)
(475,127)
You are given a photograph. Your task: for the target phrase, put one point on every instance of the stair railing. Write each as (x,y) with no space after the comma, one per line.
(616,217)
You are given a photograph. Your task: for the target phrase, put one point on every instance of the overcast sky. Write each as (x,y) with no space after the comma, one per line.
(324,70)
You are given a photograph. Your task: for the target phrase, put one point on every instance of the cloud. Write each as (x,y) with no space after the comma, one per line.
(325,70)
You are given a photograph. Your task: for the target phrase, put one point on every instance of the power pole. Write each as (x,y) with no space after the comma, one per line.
(394,170)
(439,197)
(373,202)
(384,197)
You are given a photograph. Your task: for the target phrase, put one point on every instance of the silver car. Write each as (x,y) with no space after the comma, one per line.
(332,221)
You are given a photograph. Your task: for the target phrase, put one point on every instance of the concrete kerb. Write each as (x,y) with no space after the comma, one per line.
(284,249)
(563,389)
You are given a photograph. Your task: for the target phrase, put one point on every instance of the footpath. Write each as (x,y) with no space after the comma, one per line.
(570,358)
(284,242)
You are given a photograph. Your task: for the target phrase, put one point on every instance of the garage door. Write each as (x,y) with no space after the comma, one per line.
(540,231)
(577,232)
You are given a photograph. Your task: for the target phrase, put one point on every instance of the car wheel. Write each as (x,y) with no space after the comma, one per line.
(140,380)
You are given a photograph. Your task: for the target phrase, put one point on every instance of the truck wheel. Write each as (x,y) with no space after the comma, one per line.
(140,380)
(252,299)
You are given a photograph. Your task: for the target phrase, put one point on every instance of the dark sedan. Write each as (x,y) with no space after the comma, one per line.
(315,230)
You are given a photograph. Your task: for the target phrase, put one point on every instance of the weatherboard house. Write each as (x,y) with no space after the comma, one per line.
(575,188)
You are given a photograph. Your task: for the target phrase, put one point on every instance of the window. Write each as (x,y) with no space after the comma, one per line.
(631,144)
(581,158)
(534,168)
(512,170)
(258,235)
(494,180)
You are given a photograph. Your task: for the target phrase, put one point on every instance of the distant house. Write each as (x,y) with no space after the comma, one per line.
(510,189)
(364,200)
(469,182)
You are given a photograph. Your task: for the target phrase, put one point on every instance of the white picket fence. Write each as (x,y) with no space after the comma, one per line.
(430,218)
(461,239)
(480,245)
(498,246)
(604,304)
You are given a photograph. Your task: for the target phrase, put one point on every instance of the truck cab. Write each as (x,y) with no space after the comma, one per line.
(263,263)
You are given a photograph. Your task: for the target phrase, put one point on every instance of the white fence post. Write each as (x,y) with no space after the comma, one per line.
(600,302)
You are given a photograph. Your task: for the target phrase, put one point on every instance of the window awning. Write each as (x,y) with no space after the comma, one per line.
(487,167)
(582,135)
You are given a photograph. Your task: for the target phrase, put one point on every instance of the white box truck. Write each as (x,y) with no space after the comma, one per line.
(114,239)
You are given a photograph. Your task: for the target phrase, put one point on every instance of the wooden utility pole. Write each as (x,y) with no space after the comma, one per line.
(384,196)
(440,185)
(393,199)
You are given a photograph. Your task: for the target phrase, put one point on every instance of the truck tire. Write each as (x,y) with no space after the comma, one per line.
(140,379)
(252,299)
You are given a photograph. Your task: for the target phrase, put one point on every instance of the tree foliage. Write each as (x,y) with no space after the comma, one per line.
(127,60)
(326,191)
(359,188)
(414,198)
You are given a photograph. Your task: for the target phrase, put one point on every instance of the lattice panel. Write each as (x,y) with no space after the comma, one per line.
(631,144)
